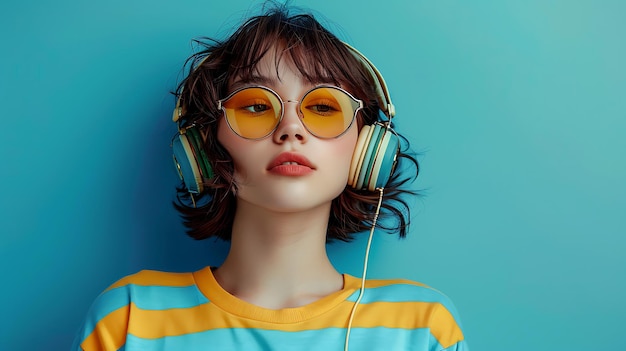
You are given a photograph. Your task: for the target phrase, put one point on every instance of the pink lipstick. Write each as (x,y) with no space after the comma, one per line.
(290,164)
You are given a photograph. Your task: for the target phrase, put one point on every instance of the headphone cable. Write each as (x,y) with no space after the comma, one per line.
(365,262)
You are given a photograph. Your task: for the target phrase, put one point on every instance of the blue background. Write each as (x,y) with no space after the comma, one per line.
(517,107)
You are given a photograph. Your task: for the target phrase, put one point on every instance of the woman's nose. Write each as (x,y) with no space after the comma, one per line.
(290,127)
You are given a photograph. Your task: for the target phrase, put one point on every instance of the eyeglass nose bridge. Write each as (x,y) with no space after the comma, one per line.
(298,111)
(281,118)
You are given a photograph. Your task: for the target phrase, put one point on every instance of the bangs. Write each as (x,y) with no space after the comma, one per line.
(318,55)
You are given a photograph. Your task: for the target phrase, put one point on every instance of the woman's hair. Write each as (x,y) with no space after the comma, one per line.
(320,57)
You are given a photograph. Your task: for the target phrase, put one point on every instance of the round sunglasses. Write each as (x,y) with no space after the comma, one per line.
(254,112)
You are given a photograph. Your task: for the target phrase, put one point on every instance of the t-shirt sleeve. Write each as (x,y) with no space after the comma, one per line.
(446,327)
(105,326)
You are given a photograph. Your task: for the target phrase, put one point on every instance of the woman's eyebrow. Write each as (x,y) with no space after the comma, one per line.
(256,80)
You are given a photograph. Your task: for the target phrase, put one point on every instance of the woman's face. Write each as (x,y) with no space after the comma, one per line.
(290,170)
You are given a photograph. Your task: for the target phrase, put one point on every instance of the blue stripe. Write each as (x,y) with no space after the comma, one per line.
(108,302)
(104,304)
(365,339)
(406,293)
(166,297)
(144,297)
(459,346)
(148,298)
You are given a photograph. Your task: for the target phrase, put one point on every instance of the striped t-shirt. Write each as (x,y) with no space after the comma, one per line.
(154,310)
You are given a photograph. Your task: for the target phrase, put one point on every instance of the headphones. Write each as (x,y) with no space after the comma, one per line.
(373,161)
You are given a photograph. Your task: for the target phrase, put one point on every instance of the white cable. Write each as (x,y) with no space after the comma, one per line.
(365,261)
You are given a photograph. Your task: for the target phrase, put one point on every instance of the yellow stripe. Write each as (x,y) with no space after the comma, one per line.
(411,315)
(110,332)
(157,278)
(440,327)
(152,324)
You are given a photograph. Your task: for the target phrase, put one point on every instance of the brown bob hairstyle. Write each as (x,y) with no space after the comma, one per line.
(320,58)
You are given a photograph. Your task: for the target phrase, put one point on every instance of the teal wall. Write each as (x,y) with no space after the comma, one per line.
(517,107)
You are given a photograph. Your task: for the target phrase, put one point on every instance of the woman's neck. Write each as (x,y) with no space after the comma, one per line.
(279,260)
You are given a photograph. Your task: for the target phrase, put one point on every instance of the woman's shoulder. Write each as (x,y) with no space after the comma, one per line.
(148,289)
(155,278)
(416,305)
(409,295)
(399,290)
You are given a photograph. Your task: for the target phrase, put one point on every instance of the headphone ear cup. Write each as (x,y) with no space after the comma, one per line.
(358,155)
(191,161)
(385,160)
(371,149)
(374,158)
(195,140)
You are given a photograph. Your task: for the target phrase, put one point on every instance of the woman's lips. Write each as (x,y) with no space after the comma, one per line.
(290,164)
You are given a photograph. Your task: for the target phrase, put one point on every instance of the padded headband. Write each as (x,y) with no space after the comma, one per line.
(384,98)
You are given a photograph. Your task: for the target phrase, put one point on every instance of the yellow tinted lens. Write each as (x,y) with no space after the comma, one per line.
(252,112)
(328,112)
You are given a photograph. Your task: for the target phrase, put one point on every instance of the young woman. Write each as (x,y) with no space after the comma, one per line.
(283,146)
